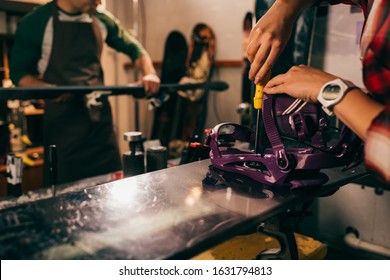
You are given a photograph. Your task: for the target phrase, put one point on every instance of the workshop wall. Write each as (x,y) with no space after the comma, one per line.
(156,19)
(226,19)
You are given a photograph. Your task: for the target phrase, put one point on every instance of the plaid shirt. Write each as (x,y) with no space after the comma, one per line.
(375,56)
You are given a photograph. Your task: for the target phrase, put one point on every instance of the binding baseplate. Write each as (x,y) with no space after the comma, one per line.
(299,144)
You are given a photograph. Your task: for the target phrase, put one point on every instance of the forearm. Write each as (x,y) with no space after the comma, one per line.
(150,79)
(357,111)
(32,81)
(293,7)
(145,64)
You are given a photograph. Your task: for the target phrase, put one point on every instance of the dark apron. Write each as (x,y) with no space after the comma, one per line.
(86,143)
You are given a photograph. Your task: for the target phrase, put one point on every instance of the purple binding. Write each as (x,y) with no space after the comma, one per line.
(278,164)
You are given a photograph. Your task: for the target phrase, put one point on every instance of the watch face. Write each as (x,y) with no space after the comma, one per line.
(331,92)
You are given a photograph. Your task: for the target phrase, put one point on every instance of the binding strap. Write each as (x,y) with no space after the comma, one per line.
(273,133)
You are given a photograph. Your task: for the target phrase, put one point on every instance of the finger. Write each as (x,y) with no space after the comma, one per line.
(157,87)
(137,83)
(276,85)
(275,81)
(252,48)
(259,68)
(270,60)
(254,32)
(146,87)
(154,88)
(279,89)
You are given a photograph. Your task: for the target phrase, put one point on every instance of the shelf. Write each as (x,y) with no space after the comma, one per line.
(34,112)
(26,153)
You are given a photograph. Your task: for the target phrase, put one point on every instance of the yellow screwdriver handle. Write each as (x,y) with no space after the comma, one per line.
(258,98)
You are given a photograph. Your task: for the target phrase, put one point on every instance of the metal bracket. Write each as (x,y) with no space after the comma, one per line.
(288,248)
(282,229)
(93,98)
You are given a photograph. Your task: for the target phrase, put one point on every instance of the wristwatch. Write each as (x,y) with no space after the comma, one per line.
(332,93)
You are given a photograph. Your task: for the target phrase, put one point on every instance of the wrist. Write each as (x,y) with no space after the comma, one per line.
(332,93)
(292,8)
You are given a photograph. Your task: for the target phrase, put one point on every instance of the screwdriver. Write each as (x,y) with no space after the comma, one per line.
(258,105)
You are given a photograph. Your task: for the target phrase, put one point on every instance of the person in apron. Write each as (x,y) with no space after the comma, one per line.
(84,138)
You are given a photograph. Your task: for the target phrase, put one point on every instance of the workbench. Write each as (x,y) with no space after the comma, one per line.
(174,213)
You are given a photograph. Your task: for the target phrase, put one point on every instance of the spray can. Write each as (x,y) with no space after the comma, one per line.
(14,175)
(134,159)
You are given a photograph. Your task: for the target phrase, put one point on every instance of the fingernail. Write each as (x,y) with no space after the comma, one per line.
(257,80)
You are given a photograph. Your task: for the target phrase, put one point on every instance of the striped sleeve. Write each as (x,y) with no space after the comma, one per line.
(118,38)
(27,48)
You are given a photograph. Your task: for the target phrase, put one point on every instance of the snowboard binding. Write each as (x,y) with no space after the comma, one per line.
(299,144)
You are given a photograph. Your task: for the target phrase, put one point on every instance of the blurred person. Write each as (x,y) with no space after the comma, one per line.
(60,44)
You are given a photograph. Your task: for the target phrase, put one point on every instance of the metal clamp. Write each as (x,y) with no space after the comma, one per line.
(288,248)
(282,229)
(93,99)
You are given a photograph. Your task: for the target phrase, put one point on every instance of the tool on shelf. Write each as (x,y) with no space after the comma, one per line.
(52,157)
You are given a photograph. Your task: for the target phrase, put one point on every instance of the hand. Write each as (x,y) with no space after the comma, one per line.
(301,82)
(66,97)
(151,83)
(34,81)
(267,40)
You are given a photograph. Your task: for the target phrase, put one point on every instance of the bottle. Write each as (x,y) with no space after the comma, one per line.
(134,159)
(16,123)
(156,158)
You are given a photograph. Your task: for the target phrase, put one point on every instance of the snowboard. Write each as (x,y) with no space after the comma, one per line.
(192,108)
(172,70)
